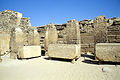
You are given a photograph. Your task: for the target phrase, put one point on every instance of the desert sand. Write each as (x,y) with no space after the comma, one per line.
(44,69)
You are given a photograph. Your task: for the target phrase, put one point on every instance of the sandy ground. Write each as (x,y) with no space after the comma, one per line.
(44,69)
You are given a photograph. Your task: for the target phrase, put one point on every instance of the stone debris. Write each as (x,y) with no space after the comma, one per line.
(106,69)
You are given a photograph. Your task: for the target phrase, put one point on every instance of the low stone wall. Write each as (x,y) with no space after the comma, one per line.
(65,51)
(108,52)
(29,51)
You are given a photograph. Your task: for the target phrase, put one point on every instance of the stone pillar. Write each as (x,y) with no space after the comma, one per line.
(16,41)
(30,36)
(72,32)
(100,29)
(51,35)
(36,37)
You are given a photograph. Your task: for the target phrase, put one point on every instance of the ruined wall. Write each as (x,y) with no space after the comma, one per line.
(106,30)
(36,37)
(61,28)
(9,19)
(27,30)
(87,35)
(114,30)
(42,30)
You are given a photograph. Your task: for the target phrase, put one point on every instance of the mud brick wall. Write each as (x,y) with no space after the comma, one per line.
(87,35)
(114,32)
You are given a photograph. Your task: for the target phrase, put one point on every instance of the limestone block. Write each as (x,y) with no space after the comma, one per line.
(108,52)
(4,42)
(65,51)
(29,51)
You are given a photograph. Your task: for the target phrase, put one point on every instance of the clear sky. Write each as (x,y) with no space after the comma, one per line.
(42,12)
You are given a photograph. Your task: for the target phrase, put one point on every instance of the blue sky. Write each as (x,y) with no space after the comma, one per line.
(42,12)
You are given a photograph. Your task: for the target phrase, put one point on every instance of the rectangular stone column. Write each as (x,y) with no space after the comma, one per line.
(100,29)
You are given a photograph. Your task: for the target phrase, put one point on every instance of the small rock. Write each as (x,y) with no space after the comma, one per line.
(106,69)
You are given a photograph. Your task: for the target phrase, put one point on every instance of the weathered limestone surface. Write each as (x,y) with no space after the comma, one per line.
(36,37)
(51,35)
(66,51)
(4,42)
(9,19)
(16,41)
(72,32)
(29,51)
(108,52)
(71,47)
(100,29)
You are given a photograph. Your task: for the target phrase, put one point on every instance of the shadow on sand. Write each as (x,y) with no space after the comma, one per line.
(58,59)
(90,59)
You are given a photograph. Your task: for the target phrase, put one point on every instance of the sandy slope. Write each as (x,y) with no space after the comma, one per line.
(43,69)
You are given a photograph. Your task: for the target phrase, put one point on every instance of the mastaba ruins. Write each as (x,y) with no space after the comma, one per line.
(100,36)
